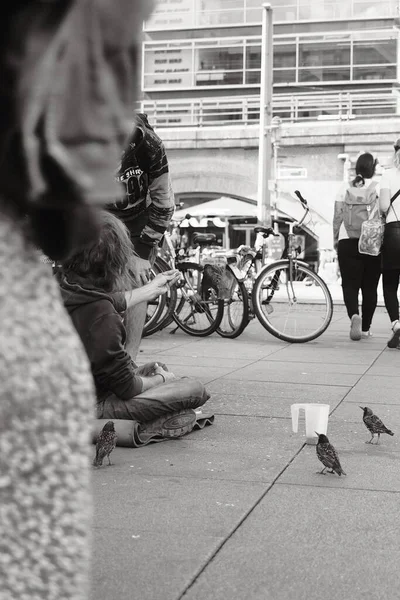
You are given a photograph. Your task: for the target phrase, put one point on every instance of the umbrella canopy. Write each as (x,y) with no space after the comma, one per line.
(222,207)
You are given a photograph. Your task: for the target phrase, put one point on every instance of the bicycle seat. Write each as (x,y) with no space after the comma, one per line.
(204,238)
(266,231)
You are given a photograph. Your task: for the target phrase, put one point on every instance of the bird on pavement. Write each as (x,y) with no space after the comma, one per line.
(328,456)
(374,424)
(106,443)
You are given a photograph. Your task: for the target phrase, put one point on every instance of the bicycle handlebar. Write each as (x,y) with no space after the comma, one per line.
(300,197)
(305,206)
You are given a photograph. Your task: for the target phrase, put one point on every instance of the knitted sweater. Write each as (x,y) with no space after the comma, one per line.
(47,403)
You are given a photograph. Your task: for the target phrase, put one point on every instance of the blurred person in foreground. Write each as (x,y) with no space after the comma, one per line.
(146,208)
(93,284)
(68,70)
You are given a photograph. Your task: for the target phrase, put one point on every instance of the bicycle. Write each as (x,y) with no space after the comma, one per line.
(193,302)
(288,298)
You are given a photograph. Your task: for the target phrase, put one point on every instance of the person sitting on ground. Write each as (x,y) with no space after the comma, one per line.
(93,283)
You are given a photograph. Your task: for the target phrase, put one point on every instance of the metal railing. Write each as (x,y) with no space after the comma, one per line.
(245,110)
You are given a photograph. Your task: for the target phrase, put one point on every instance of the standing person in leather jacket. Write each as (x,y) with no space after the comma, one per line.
(146,208)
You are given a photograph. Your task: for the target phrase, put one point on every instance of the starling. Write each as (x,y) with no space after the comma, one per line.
(328,456)
(374,424)
(106,443)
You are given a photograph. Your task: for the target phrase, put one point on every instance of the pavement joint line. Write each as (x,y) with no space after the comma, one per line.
(251,416)
(346,489)
(238,525)
(290,382)
(376,403)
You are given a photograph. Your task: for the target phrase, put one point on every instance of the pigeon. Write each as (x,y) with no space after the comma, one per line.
(374,424)
(106,443)
(328,456)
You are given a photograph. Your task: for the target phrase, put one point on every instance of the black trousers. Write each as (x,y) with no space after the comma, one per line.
(390,279)
(359,272)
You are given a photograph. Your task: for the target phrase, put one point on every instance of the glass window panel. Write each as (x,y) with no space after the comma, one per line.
(253,77)
(372,8)
(253,57)
(324,74)
(325,54)
(310,10)
(220,12)
(284,76)
(288,11)
(379,52)
(374,73)
(284,55)
(225,59)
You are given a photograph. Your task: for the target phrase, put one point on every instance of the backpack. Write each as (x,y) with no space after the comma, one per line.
(358,203)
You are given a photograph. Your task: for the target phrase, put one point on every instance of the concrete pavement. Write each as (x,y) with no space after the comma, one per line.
(237,511)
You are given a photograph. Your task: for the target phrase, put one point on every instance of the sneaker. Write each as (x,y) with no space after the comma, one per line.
(366,334)
(355,328)
(174,425)
(395,339)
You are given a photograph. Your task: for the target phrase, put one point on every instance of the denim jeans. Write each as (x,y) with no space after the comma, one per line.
(156,402)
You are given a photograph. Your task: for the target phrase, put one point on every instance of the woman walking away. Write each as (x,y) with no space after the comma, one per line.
(353,206)
(389,201)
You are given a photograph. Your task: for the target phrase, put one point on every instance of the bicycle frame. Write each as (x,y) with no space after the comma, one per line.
(291,256)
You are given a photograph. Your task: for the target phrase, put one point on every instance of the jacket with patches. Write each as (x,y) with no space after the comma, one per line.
(98,319)
(148,204)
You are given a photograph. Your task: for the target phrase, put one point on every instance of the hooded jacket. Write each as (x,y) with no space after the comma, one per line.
(98,319)
(148,204)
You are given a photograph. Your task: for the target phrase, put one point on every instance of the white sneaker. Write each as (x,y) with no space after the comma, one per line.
(395,338)
(355,328)
(366,334)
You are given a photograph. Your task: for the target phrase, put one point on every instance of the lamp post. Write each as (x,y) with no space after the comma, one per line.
(276,133)
(264,151)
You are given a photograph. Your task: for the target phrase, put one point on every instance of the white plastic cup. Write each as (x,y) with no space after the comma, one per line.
(316,418)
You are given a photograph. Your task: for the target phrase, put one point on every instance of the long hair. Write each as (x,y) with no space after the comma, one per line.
(109,262)
(365,168)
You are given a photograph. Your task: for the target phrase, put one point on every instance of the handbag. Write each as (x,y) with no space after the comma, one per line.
(372,231)
(371,236)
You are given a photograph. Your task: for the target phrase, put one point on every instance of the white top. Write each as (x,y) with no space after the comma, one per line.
(340,198)
(391,181)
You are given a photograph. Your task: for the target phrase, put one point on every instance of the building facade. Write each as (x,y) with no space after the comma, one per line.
(209,52)
(336,70)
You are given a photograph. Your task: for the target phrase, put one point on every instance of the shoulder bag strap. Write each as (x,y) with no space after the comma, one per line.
(392,199)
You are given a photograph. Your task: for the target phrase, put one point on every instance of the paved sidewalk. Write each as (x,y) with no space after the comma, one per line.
(236,511)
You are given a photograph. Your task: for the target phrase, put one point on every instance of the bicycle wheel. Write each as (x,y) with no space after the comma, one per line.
(159,311)
(198,311)
(292,302)
(236,312)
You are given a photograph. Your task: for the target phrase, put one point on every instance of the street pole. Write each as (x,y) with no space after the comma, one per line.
(264,151)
